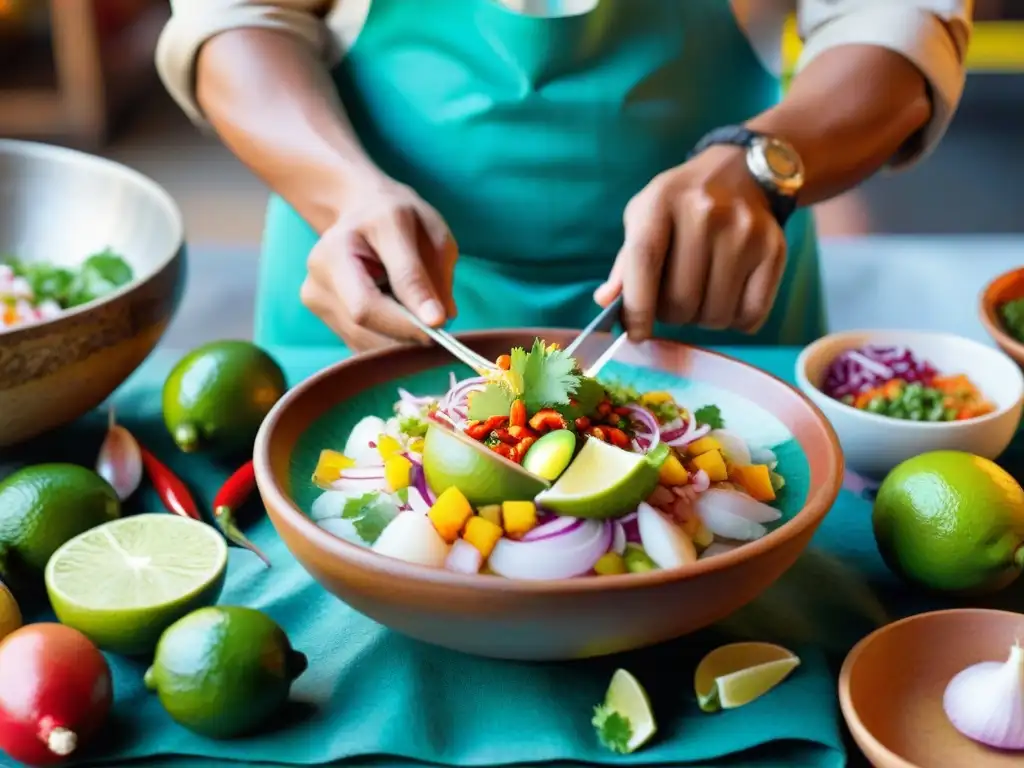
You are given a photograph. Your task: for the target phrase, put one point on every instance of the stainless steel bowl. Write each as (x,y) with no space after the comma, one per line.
(60,206)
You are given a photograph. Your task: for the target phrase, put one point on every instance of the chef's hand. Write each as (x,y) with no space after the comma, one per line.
(701,246)
(388,232)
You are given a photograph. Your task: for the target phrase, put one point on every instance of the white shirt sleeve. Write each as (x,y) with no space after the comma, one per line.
(194,22)
(933,34)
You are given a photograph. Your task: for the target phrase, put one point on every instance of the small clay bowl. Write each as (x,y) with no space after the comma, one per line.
(1007,287)
(892,682)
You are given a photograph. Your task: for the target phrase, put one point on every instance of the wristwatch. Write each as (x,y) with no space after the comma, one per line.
(773,163)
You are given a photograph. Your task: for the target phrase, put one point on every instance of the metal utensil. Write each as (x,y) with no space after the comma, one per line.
(595,345)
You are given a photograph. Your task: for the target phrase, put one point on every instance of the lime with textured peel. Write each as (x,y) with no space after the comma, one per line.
(736,674)
(217,396)
(10,614)
(224,671)
(604,481)
(123,583)
(625,721)
(453,459)
(45,505)
(951,521)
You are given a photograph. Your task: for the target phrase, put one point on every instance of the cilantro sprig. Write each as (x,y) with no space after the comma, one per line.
(710,415)
(370,514)
(613,729)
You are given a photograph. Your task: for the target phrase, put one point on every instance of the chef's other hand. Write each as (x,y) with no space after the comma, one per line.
(701,246)
(389,232)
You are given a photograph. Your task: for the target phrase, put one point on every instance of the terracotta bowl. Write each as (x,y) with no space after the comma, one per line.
(59,206)
(1007,287)
(891,687)
(572,618)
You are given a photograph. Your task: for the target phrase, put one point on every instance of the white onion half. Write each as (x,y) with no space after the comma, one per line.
(573,553)
(722,522)
(664,542)
(412,537)
(738,503)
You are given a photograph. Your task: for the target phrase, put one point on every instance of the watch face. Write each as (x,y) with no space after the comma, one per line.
(776,164)
(782,160)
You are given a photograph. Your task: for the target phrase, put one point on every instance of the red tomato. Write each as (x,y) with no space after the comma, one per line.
(55,692)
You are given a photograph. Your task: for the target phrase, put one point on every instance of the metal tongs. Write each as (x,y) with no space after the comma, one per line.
(595,345)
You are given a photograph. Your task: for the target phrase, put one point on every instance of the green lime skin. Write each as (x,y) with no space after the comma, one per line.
(45,505)
(223,672)
(951,522)
(217,396)
(483,477)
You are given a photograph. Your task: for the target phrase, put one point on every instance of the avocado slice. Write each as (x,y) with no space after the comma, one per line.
(551,454)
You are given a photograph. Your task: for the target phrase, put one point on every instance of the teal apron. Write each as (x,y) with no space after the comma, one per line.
(529,135)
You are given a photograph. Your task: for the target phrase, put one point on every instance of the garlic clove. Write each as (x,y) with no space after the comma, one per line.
(120,460)
(985,702)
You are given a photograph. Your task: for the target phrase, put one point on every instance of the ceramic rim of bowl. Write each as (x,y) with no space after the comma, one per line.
(846,705)
(812,349)
(818,503)
(33,149)
(991,297)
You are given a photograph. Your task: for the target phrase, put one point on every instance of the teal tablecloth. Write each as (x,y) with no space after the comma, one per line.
(372,697)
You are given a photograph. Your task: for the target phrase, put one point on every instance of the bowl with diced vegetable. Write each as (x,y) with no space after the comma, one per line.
(1002,312)
(91,271)
(536,512)
(892,395)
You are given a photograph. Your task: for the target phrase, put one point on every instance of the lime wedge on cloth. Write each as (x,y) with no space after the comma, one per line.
(123,583)
(604,481)
(736,674)
(625,722)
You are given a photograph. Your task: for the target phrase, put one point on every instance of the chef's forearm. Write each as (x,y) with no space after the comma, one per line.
(848,113)
(273,103)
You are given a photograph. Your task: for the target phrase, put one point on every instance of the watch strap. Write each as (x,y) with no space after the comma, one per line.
(781,205)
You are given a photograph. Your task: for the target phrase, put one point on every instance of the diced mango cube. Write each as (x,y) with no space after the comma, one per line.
(656,398)
(388,446)
(482,534)
(397,472)
(491,512)
(712,463)
(450,513)
(755,479)
(699,533)
(519,517)
(416,445)
(673,472)
(703,445)
(329,466)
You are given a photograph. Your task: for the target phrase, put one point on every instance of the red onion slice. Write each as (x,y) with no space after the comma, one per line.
(557,527)
(416,501)
(359,484)
(618,537)
(561,557)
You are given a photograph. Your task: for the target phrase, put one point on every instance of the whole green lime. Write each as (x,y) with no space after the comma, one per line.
(224,671)
(452,459)
(217,396)
(951,521)
(46,505)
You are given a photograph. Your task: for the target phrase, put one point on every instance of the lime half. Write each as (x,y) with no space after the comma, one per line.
(736,674)
(625,722)
(604,481)
(123,583)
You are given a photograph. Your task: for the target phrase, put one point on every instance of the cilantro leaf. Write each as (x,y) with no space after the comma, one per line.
(492,400)
(370,514)
(613,729)
(412,426)
(622,394)
(586,398)
(710,415)
(516,370)
(664,412)
(1012,314)
(548,377)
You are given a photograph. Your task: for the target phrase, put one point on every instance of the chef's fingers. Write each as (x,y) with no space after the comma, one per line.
(401,244)
(686,272)
(325,305)
(763,284)
(610,289)
(648,238)
(735,252)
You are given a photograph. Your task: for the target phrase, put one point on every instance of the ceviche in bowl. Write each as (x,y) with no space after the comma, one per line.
(537,514)
(539,472)
(892,395)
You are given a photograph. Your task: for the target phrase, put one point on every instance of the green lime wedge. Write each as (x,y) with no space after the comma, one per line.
(123,583)
(604,481)
(736,674)
(625,721)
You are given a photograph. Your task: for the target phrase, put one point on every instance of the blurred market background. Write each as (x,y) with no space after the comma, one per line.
(80,72)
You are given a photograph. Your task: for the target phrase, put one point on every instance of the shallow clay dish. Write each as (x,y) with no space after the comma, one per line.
(1007,287)
(891,686)
(574,618)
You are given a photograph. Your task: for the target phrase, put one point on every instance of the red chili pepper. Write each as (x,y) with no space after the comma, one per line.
(546,420)
(229,498)
(618,438)
(172,491)
(517,414)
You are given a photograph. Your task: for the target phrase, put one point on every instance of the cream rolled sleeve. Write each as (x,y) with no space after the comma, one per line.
(194,22)
(933,34)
